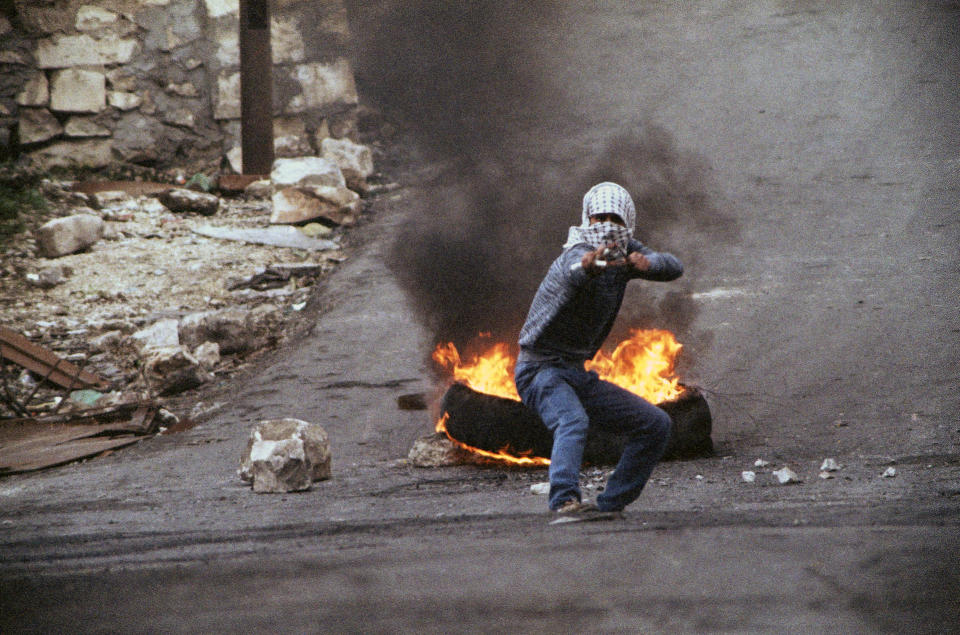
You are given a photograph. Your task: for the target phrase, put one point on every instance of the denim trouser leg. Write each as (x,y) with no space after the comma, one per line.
(550,393)
(568,400)
(648,431)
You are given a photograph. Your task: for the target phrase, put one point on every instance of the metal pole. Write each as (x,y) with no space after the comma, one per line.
(256,87)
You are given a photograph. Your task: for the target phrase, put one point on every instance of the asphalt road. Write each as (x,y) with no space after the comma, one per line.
(821,313)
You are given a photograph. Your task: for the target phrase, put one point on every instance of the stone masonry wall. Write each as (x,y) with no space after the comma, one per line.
(157,82)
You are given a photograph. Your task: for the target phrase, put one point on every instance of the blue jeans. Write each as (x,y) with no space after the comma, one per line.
(569,400)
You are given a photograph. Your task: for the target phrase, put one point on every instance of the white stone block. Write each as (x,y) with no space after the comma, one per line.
(77,90)
(65,51)
(323,85)
(92,18)
(220,8)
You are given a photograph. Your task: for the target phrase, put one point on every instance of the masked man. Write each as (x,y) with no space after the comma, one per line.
(570,317)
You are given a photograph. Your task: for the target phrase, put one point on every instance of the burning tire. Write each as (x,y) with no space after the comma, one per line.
(494,423)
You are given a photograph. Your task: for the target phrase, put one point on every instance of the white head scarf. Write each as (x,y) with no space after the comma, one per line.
(604,198)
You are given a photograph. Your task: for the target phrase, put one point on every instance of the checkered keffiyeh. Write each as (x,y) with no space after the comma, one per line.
(604,198)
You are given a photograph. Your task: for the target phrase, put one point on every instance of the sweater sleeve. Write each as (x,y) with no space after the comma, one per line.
(663,266)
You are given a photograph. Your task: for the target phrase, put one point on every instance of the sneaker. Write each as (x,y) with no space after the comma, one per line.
(573,506)
(574,511)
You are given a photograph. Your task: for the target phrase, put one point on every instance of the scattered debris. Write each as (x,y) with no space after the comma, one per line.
(890,472)
(35,443)
(45,363)
(748,476)
(761,463)
(786,476)
(275,276)
(826,475)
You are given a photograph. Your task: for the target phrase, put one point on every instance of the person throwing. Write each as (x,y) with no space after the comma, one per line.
(569,319)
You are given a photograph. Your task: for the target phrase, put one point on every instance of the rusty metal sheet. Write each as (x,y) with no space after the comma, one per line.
(45,363)
(238,182)
(27,445)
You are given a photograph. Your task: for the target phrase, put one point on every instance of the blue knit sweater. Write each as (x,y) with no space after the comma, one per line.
(573,311)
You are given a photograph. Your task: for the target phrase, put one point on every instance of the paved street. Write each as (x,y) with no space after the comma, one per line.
(801,158)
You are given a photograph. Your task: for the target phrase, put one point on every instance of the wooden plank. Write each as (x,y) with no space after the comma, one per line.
(45,363)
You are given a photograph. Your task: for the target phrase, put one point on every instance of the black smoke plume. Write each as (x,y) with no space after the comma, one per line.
(472,83)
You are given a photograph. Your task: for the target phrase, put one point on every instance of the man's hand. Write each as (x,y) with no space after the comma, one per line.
(596,261)
(638,261)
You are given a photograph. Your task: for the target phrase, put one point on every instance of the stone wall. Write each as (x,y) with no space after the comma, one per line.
(157,82)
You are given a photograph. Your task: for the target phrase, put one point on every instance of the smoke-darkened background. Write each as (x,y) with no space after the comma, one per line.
(475,84)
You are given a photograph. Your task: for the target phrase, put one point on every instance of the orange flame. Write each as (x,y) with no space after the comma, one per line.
(505,455)
(644,364)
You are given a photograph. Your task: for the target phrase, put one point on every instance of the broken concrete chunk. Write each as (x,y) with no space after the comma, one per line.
(786,476)
(306,171)
(748,476)
(337,205)
(890,472)
(184,200)
(279,466)
(354,160)
(436,450)
(284,455)
(160,334)
(68,235)
(173,370)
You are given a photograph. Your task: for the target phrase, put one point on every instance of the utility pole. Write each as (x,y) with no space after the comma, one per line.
(256,87)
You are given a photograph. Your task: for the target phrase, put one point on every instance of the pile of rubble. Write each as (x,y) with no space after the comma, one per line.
(156,289)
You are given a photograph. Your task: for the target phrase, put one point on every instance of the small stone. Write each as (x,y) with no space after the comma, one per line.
(184,200)
(761,463)
(889,473)
(829,465)
(748,476)
(786,476)
(826,475)
(540,488)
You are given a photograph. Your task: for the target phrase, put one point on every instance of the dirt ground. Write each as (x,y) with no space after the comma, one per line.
(824,327)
